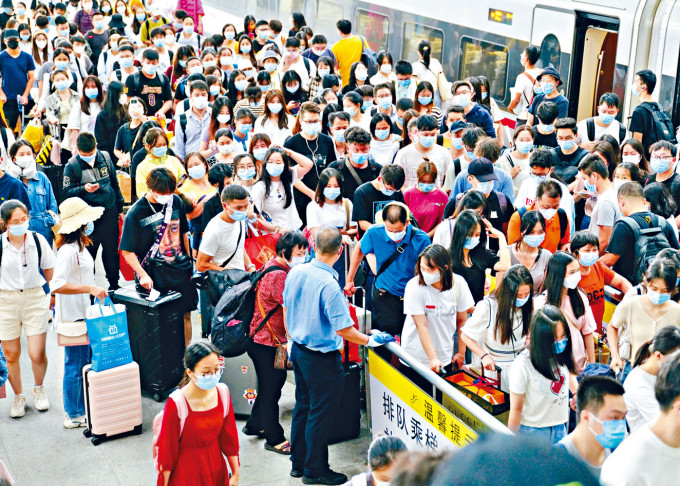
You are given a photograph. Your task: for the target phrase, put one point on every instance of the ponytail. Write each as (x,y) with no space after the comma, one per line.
(426,51)
(643,353)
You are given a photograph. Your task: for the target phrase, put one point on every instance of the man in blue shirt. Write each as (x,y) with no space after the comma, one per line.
(475,114)
(549,80)
(17,70)
(317,317)
(392,250)
(11,188)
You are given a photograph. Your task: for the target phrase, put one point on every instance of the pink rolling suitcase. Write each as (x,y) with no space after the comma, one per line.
(113,402)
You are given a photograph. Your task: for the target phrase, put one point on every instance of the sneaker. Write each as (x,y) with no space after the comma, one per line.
(329,477)
(74,423)
(19,406)
(40,398)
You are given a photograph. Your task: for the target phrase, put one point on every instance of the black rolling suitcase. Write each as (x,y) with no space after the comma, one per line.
(347,423)
(55,173)
(156,338)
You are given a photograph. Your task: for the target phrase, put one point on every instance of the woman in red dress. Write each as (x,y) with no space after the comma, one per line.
(209,433)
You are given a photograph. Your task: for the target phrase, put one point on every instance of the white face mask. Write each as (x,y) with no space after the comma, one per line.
(548,213)
(295,261)
(430,278)
(571,282)
(163,198)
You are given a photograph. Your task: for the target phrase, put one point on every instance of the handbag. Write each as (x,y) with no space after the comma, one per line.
(484,391)
(281,361)
(72,333)
(200,279)
(108,332)
(260,247)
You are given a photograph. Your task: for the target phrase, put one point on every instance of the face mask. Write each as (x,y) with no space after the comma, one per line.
(293,88)
(99,24)
(382,134)
(20,12)
(89,159)
(524,147)
(238,215)
(572,281)
(270,67)
(245,49)
(246,174)
(318,52)
(521,302)
(395,236)
(13,43)
(208,382)
(430,277)
(121,10)
(214,90)
(588,259)
(633,159)
(635,89)
(259,153)
(367,105)
(471,243)
(339,136)
(91,93)
(324,72)
(485,95)
(228,61)
(457,143)
(123,101)
(537,89)
(359,159)
(265,87)
(462,100)
(263,35)
(618,183)
(538,179)
(87,7)
(560,346)
(61,85)
(295,261)
(182,63)
(404,83)
(534,240)
(361,75)
(126,62)
(18,229)
(199,102)
(658,298)
(89,228)
(106,9)
(548,213)
(426,187)
(241,85)
(427,142)
(140,17)
(64,33)
(207,64)
(385,102)
(25,37)
(606,118)
(149,69)
(547,87)
(229,35)
(470,155)
(189,29)
(25,161)
(566,144)
(659,165)
(41,44)
(385,68)
(196,172)
(159,43)
(311,129)
(162,198)
(159,151)
(197,70)
(275,170)
(350,111)
(485,187)
(387,192)
(223,118)
(275,108)
(547,128)
(424,100)
(331,193)
(613,432)
(79,49)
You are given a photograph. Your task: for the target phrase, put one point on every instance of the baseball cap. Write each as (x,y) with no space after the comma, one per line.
(9,33)
(269,54)
(458,125)
(482,169)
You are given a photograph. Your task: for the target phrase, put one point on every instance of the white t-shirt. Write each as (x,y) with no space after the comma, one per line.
(19,266)
(606,211)
(221,239)
(276,135)
(642,459)
(613,129)
(546,402)
(440,308)
(522,175)
(273,203)
(75,267)
(444,233)
(640,399)
(525,86)
(568,443)
(329,215)
(409,158)
(383,151)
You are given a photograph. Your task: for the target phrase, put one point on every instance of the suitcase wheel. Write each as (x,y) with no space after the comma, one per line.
(87,433)
(137,430)
(157,397)
(96,440)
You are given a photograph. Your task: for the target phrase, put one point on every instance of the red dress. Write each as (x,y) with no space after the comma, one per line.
(197,459)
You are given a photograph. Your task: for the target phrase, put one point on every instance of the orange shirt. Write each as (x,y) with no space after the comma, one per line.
(552,239)
(593,285)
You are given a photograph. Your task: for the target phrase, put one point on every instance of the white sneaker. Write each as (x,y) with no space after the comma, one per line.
(40,397)
(18,407)
(74,423)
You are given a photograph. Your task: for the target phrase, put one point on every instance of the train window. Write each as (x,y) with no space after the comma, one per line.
(327,14)
(375,27)
(262,9)
(414,33)
(550,53)
(286,8)
(490,60)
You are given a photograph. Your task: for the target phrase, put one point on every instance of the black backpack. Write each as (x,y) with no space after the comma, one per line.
(230,331)
(662,126)
(648,243)
(590,128)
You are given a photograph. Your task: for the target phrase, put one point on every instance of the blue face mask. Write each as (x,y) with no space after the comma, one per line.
(245,49)
(140,17)
(470,155)
(367,105)
(560,346)
(521,302)
(89,159)
(239,215)
(400,121)
(61,64)
(91,93)
(208,382)
(607,118)
(426,187)
(126,62)
(244,127)
(566,144)
(524,147)
(359,159)
(404,83)
(592,188)
(89,228)
(61,85)
(424,100)
(260,153)
(350,111)
(18,229)
(537,89)
(311,129)
(471,243)
(339,136)
(588,259)
(246,174)
(427,142)
(534,240)
(658,298)
(385,102)
(182,64)
(547,87)
(457,143)
(275,170)
(25,37)
(387,192)
(382,134)
(331,193)
(659,165)
(485,187)
(547,128)
(159,151)
(613,432)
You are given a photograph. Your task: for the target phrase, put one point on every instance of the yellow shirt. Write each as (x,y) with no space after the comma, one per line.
(149,163)
(152,23)
(191,187)
(347,52)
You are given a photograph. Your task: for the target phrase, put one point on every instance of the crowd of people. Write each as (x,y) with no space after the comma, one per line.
(477,245)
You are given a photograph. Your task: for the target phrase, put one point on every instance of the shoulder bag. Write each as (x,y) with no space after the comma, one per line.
(73,333)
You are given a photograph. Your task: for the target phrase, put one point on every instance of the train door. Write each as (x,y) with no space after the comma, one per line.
(594,62)
(553,32)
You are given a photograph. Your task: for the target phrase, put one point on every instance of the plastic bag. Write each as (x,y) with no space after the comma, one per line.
(108,333)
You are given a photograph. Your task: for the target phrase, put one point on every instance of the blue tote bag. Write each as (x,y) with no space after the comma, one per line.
(108,332)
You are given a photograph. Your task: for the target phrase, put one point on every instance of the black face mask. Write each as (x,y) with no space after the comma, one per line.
(13,43)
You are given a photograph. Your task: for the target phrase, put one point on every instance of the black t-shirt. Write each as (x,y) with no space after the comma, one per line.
(368,201)
(153,92)
(322,153)
(641,122)
(566,165)
(126,137)
(476,274)
(622,241)
(673,186)
(349,183)
(141,226)
(542,140)
(96,43)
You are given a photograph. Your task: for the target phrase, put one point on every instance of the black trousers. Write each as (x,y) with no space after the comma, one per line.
(388,312)
(11,110)
(106,235)
(270,381)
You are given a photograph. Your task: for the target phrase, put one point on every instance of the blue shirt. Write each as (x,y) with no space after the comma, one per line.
(14,72)
(11,188)
(478,116)
(395,277)
(316,307)
(561,102)
(42,198)
(503,183)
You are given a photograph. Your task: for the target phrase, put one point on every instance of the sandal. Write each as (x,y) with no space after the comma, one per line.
(251,433)
(283,448)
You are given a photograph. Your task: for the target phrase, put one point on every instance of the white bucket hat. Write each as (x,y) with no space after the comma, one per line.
(74,213)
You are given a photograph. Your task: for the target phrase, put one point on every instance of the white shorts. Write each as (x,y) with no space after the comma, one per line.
(23,308)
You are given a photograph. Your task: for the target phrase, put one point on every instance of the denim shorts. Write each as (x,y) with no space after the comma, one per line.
(552,434)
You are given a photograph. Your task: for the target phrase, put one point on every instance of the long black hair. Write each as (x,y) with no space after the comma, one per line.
(665,341)
(425,50)
(529,221)
(112,104)
(471,200)
(541,344)
(325,176)
(506,294)
(660,200)
(286,176)
(465,226)
(554,283)
(193,355)
(436,256)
